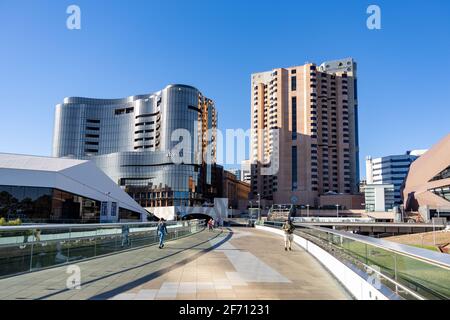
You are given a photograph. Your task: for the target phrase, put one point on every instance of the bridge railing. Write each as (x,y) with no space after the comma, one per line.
(410,272)
(34,247)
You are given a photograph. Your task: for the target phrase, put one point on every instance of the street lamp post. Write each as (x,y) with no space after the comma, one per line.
(337,211)
(108,195)
(259,206)
(434,233)
(307,210)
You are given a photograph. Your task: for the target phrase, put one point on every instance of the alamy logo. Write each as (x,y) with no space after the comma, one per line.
(73,21)
(374,278)
(74,280)
(230,148)
(374,20)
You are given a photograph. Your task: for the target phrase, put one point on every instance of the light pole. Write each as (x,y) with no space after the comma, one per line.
(337,211)
(108,195)
(307,210)
(259,207)
(434,233)
(251,209)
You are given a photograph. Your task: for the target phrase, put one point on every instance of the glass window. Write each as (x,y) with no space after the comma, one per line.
(294,118)
(46,205)
(294,168)
(293,83)
(128,215)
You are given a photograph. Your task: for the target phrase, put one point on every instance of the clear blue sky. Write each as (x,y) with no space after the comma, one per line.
(133,47)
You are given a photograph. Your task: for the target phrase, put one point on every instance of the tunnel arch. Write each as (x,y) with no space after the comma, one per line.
(200,216)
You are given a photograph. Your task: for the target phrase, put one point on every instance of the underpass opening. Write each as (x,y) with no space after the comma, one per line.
(199,216)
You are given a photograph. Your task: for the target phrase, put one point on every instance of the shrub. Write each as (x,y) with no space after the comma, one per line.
(16,222)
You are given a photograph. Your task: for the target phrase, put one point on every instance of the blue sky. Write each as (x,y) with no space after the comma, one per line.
(132,47)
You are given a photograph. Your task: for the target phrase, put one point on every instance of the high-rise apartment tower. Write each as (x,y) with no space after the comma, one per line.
(314,109)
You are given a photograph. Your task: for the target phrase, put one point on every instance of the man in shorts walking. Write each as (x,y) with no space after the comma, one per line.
(288,229)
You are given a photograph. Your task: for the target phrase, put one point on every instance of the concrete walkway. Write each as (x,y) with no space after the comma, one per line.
(236,263)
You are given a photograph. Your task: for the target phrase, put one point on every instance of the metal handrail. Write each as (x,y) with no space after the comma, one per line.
(385,277)
(421,255)
(80,226)
(415,295)
(61,230)
(439,259)
(380,274)
(373,224)
(91,246)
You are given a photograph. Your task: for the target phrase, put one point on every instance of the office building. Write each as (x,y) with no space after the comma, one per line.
(314,110)
(379,197)
(236,191)
(246,171)
(236,172)
(427,186)
(343,201)
(390,170)
(54,190)
(159,147)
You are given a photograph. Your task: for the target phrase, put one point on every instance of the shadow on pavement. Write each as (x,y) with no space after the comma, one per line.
(151,276)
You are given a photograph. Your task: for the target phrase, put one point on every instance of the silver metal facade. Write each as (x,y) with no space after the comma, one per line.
(132,141)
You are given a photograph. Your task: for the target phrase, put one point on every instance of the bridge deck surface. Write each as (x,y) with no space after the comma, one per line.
(233,263)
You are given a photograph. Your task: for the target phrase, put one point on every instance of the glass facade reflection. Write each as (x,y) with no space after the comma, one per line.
(443,192)
(37,204)
(445,174)
(126,215)
(136,142)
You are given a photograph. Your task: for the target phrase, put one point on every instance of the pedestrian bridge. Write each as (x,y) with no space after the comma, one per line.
(76,262)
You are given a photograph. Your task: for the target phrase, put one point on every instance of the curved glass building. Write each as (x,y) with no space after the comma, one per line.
(136,142)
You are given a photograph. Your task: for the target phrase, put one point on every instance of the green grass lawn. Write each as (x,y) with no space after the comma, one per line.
(432,248)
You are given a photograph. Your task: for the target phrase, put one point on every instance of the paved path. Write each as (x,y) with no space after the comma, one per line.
(237,263)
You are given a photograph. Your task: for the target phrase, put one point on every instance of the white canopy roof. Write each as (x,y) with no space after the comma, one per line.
(80,177)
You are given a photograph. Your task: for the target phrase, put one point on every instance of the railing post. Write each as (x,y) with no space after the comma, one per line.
(367,254)
(95,243)
(69,244)
(395,273)
(31,257)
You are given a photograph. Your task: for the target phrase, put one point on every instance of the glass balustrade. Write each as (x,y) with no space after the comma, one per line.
(31,248)
(409,272)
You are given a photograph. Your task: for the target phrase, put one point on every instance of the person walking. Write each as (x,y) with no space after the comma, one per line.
(288,229)
(210,224)
(161,231)
(125,235)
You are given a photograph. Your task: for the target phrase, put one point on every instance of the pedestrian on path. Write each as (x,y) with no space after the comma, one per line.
(125,235)
(288,229)
(211,224)
(161,230)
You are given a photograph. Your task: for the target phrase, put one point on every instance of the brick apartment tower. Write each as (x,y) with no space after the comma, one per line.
(315,109)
